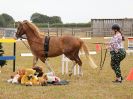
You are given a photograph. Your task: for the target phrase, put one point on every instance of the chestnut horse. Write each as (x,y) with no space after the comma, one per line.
(67,45)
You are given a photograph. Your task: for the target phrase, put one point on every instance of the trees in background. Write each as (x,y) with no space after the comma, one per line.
(40,18)
(6,20)
(2,21)
(55,21)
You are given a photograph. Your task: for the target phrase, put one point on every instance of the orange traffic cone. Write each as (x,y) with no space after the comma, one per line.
(130,75)
(98,48)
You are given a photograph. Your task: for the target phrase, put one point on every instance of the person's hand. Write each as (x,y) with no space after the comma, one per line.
(107,47)
(116,50)
(106,43)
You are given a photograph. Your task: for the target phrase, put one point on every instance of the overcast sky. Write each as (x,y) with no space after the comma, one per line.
(68,10)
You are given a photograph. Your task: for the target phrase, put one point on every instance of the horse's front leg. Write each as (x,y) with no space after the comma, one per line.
(48,66)
(35,59)
(46,63)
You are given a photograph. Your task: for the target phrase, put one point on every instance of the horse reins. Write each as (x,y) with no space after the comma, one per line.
(26,45)
(102,60)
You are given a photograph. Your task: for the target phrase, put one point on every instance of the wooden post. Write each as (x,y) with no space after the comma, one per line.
(48,28)
(61,31)
(72,31)
(14,54)
(57,31)
(131,31)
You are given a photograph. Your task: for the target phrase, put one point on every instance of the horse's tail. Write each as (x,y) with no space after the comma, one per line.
(91,61)
(85,49)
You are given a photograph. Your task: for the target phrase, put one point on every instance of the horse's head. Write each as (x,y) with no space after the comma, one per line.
(20,30)
(28,28)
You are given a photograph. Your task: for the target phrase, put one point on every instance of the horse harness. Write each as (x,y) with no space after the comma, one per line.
(46,45)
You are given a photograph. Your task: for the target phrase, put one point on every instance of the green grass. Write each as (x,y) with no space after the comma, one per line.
(93,85)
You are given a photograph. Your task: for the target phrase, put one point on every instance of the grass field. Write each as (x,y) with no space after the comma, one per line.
(93,85)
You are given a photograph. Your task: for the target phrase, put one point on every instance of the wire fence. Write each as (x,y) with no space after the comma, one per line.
(77,32)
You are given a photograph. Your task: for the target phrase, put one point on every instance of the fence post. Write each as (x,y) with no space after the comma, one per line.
(86,34)
(61,31)
(72,31)
(48,28)
(14,54)
(57,31)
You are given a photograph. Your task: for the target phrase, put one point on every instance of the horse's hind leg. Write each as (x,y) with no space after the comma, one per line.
(79,62)
(75,57)
(72,69)
(70,56)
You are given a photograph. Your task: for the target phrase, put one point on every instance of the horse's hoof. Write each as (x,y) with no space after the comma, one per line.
(81,74)
(70,74)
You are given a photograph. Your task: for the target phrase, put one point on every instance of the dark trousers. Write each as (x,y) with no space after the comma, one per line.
(116,58)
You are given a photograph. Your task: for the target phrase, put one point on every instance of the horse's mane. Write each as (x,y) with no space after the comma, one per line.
(33,27)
